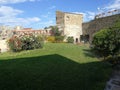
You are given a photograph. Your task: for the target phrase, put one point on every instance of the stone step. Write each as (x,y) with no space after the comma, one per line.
(113,85)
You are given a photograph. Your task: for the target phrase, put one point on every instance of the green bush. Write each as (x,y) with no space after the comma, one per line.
(107,42)
(55,31)
(25,42)
(70,40)
(38,42)
(55,39)
(59,38)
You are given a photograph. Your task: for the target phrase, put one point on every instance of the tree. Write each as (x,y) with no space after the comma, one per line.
(115,39)
(57,34)
(107,41)
(55,31)
(100,43)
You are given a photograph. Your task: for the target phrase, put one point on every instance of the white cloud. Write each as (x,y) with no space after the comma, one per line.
(52,7)
(48,23)
(9,11)
(87,16)
(47,15)
(79,13)
(90,15)
(15,1)
(48,19)
(115,4)
(8,16)
(44,24)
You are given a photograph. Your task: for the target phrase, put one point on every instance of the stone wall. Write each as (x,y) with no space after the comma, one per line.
(94,26)
(70,24)
(73,25)
(3,46)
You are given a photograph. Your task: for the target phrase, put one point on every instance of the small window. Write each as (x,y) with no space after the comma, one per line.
(67,17)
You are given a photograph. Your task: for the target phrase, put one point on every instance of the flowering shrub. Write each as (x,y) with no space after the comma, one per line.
(51,39)
(15,44)
(25,42)
(59,38)
(55,39)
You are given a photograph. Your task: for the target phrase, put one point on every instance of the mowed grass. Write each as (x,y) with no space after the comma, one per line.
(54,67)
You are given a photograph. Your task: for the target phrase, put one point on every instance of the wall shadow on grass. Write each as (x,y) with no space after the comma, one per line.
(51,72)
(89,53)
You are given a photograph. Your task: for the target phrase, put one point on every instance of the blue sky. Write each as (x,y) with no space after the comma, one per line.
(41,13)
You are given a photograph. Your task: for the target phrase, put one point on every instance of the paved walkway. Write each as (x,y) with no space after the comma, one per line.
(3,45)
(114,82)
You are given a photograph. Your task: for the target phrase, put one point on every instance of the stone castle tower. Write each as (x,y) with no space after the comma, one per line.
(70,24)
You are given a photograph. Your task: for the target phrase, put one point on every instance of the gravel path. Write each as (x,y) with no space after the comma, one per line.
(114,82)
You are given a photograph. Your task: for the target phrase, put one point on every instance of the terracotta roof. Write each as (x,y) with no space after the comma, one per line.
(27,28)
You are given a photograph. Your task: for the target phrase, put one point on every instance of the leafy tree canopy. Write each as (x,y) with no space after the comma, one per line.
(107,41)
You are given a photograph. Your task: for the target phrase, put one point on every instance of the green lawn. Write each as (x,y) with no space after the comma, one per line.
(54,67)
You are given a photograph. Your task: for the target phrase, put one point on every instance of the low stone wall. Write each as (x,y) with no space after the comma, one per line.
(3,46)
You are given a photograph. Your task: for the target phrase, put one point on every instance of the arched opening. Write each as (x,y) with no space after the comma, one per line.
(76,40)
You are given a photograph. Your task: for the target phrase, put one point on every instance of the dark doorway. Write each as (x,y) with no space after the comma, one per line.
(84,38)
(76,40)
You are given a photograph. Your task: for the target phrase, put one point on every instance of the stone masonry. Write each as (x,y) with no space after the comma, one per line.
(3,46)
(70,24)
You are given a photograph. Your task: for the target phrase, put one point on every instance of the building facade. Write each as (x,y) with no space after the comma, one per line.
(6,33)
(70,24)
(31,31)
